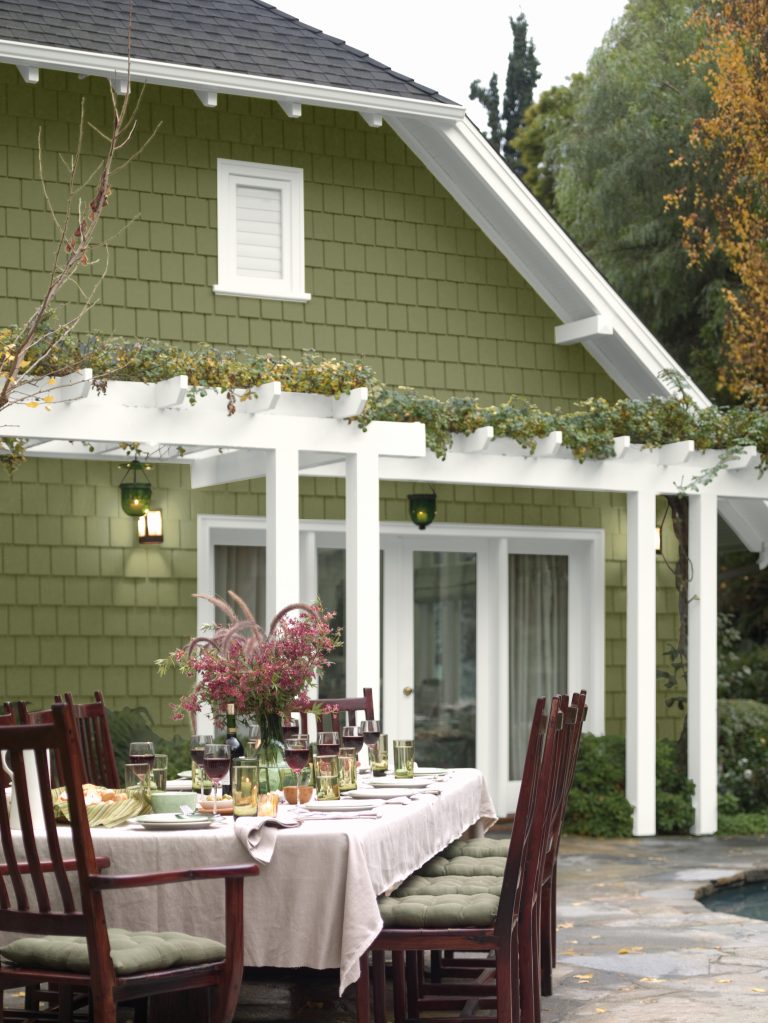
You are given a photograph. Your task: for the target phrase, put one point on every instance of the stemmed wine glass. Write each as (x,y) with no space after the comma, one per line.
(216,764)
(328,743)
(197,744)
(290,727)
(370,730)
(297,758)
(352,736)
(142,756)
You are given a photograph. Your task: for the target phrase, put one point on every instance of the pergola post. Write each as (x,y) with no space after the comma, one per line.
(362,642)
(702,659)
(283,577)
(641,660)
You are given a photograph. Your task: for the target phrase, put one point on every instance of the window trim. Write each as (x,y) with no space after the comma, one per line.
(290,182)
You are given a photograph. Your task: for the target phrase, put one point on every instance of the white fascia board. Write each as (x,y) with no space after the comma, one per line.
(541,252)
(213,80)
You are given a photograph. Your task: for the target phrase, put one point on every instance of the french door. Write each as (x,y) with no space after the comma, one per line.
(475,624)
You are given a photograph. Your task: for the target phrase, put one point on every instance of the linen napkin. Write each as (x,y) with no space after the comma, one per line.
(259,834)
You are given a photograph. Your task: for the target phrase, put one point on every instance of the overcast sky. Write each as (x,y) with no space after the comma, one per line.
(445,44)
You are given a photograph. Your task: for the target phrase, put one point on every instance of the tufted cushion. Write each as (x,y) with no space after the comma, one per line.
(425,911)
(476,847)
(131,951)
(464,866)
(448,885)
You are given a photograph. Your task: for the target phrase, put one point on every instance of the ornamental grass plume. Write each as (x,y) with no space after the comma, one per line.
(261,674)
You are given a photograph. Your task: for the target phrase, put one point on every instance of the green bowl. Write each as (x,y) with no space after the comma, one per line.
(172,802)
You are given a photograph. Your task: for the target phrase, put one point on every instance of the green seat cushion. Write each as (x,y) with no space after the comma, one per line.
(476,847)
(464,866)
(426,911)
(448,884)
(131,951)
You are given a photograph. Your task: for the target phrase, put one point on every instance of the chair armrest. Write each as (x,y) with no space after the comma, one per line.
(108,881)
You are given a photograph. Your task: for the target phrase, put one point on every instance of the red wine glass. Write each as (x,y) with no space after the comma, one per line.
(371,730)
(297,758)
(328,744)
(142,756)
(216,763)
(351,736)
(290,728)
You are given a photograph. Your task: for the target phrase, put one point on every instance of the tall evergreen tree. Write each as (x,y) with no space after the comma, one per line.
(505,117)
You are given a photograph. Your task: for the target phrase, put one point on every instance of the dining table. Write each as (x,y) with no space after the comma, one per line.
(314,904)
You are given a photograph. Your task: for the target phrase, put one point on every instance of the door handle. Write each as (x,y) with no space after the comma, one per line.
(408,691)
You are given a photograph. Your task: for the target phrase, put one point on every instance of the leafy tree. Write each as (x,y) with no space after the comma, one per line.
(505,118)
(543,122)
(634,107)
(730,220)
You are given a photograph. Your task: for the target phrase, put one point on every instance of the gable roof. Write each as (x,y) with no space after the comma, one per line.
(249,48)
(246,36)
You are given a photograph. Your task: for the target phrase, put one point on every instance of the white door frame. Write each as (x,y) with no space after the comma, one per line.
(585,549)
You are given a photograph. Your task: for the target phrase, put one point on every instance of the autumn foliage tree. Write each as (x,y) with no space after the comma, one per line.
(731,218)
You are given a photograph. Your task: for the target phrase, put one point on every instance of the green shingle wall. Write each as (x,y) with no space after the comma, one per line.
(399,276)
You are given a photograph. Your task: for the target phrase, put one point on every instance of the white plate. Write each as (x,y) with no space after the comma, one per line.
(399,783)
(382,794)
(328,805)
(169,821)
(430,770)
(184,774)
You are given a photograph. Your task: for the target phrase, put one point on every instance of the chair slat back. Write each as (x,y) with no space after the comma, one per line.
(346,710)
(99,764)
(509,899)
(575,713)
(38,897)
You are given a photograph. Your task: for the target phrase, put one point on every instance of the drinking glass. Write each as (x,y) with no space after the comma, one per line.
(347,769)
(327,744)
(142,756)
(197,744)
(216,764)
(352,736)
(371,730)
(297,758)
(327,777)
(403,753)
(378,756)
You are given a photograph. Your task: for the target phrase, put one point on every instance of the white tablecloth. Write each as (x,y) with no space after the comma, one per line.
(314,904)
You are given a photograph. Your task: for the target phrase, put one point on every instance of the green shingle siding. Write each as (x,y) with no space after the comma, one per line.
(399,276)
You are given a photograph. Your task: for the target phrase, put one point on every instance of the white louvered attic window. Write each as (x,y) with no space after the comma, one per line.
(261,231)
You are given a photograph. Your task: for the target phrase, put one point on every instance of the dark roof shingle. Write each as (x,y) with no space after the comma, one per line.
(247,36)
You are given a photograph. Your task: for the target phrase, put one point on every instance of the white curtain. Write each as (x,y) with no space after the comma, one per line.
(243,570)
(538,641)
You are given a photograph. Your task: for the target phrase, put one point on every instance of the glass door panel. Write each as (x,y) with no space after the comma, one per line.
(244,571)
(331,588)
(538,642)
(444,657)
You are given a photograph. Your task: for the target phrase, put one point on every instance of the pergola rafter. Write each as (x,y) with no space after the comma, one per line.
(281,436)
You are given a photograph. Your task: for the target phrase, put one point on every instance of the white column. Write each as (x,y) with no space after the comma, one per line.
(283,572)
(641,661)
(361,639)
(702,660)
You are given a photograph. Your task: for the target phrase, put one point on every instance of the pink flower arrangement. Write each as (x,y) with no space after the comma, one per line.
(261,674)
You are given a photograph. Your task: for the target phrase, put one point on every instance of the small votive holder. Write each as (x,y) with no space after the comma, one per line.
(347,769)
(327,777)
(244,779)
(403,757)
(378,755)
(268,803)
(159,780)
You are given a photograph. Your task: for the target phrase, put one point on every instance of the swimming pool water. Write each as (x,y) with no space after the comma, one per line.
(744,900)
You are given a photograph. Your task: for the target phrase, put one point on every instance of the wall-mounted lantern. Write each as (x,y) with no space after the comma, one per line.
(135,493)
(150,527)
(422,508)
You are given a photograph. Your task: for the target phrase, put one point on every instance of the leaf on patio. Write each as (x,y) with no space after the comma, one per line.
(600,1009)
(628,951)
(564,926)
(758,990)
(651,980)
(723,980)
(569,952)
(583,977)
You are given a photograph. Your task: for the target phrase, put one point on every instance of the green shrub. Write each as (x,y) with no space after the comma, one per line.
(597,804)
(743,751)
(742,824)
(134,724)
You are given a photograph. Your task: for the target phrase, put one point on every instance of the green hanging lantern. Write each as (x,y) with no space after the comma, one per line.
(422,509)
(135,493)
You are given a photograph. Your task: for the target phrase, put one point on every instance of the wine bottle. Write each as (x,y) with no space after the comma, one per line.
(236,749)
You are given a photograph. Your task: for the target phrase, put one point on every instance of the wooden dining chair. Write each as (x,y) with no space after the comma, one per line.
(457,921)
(349,706)
(65,940)
(575,716)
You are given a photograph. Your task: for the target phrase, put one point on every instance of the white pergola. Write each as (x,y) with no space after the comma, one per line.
(283,436)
